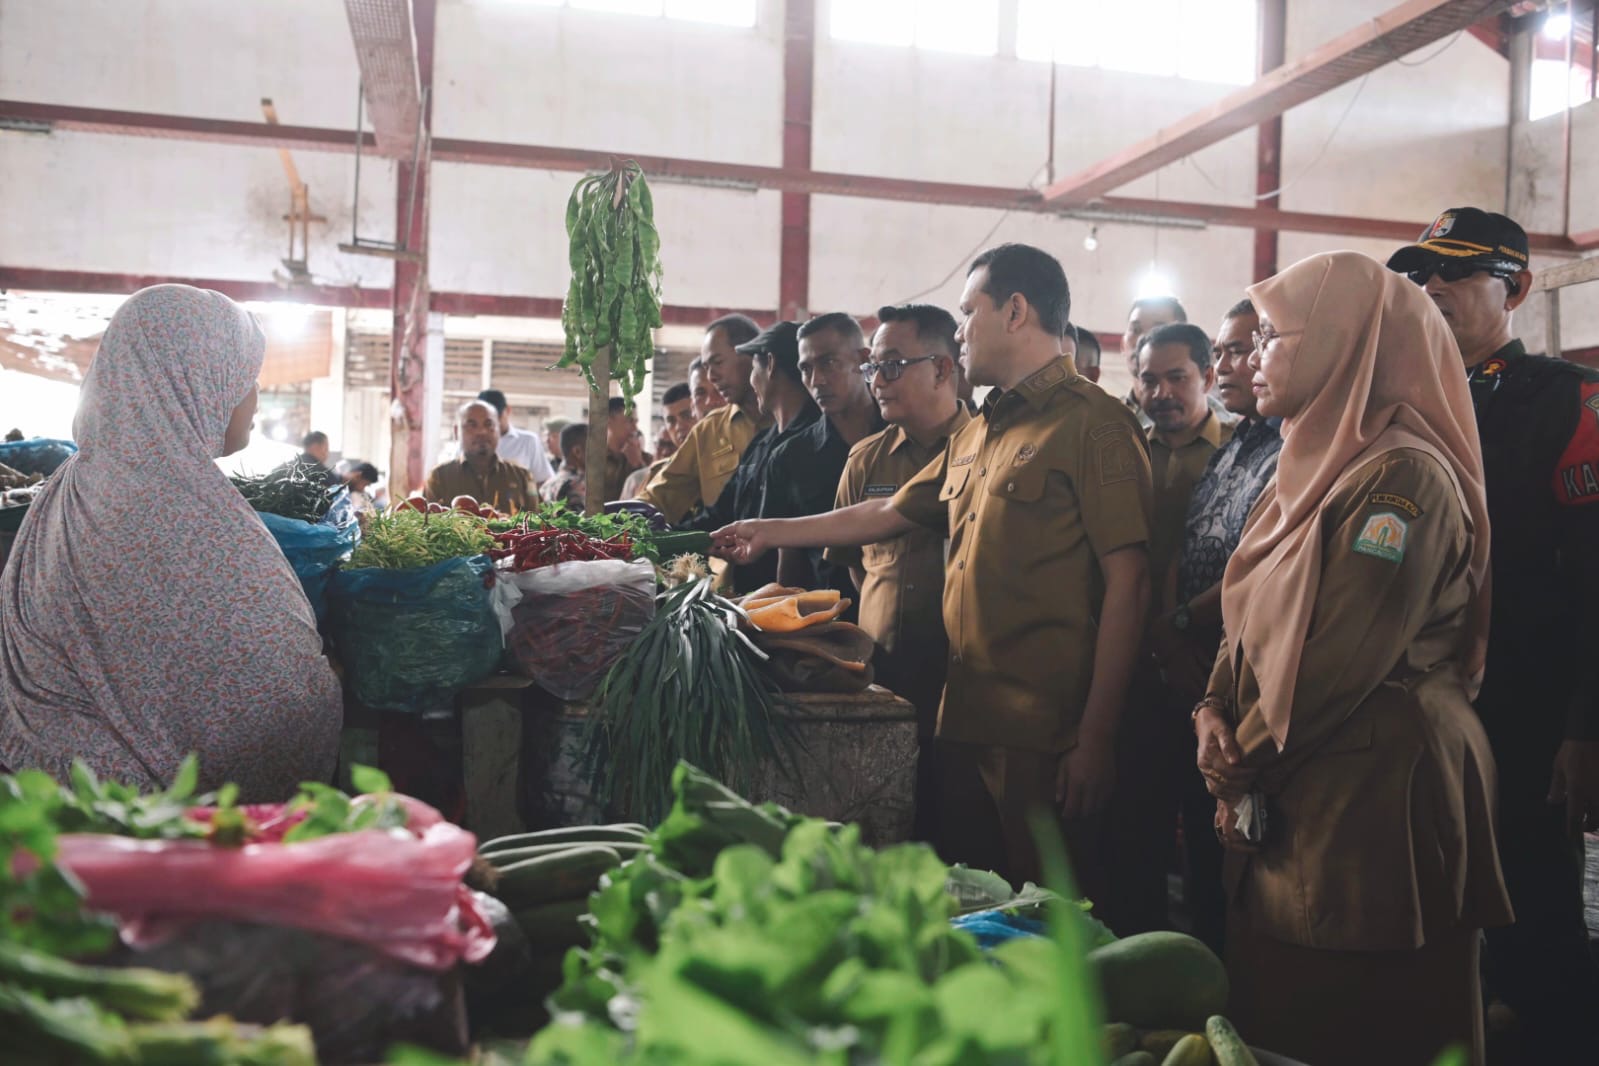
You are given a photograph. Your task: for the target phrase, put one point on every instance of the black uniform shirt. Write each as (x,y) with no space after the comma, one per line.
(1539,423)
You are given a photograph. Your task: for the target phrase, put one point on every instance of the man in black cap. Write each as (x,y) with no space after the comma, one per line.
(781,397)
(1539,423)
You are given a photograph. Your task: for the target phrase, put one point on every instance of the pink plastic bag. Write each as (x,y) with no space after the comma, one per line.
(398,890)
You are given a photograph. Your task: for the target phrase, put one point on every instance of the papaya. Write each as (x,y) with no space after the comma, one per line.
(1120,1038)
(1191,1050)
(1225,1043)
(1160,980)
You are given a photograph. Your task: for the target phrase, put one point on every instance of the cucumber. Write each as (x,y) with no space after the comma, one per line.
(554,926)
(1120,1038)
(566,875)
(687,542)
(1137,1058)
(624,832)
(1160,1042)
(1225,1043)
(1191,1050)
(511,856)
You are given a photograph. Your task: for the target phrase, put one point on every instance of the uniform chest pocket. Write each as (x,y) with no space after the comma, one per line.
(1024,483)
(883,553)
(955,480)
(722,461)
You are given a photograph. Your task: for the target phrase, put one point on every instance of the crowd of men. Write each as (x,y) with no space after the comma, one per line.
(1042,574)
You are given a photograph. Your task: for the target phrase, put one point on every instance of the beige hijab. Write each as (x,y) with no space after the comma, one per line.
(1376,370)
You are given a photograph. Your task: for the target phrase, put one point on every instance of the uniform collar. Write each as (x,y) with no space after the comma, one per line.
(1491,367)
(1036,389)
(897,438)
(1210,430)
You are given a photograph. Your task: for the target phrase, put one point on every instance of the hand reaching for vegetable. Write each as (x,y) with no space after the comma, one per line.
(742,542)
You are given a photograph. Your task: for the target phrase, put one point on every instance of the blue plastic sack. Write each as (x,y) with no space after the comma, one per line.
(314,549)
(39,455)
(411,639)
(992,928)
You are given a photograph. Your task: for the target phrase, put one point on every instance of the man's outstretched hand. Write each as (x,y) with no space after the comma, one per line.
(740,543)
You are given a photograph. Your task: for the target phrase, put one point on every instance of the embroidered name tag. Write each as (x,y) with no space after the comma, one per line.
(1383,537)
(1389,499)
(964,460)
(881,490)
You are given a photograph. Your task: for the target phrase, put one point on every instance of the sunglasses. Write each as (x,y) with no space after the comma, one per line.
(892,368)
(1451,272)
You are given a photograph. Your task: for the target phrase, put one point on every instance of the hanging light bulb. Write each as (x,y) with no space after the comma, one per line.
(1091,242)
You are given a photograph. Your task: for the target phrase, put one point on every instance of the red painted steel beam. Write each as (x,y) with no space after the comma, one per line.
(799,66)
(1376,43)
(816,182)
(1273,41)
(32,279)
(408,346)
(386,46)
(1493,32)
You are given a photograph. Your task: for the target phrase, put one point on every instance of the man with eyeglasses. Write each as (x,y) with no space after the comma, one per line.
(1045,498)
(1538,419)
(804,471)
(901,580)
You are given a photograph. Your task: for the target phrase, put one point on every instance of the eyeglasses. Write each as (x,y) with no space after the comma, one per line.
(891,369)
(1451,271)
(1263,337)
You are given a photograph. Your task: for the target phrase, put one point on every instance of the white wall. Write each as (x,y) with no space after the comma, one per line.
(1535,193)
(1419,137)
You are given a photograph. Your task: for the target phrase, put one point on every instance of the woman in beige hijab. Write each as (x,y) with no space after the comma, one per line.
(1354,783)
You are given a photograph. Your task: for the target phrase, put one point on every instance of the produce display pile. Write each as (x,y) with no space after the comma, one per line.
(56,1009)
(404,539)
(689,688)
(299,491)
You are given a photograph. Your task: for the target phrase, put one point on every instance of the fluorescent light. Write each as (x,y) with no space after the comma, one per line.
(1153,284)
(1557,27)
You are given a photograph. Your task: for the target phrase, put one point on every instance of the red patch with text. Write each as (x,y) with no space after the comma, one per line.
(1577,473)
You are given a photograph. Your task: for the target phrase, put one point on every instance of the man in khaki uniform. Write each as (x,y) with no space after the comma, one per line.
(480,473)
(1046,501)
(703,465)
(901,580)
(1174,377)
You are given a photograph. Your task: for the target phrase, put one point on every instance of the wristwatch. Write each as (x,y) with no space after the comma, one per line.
(1181,617)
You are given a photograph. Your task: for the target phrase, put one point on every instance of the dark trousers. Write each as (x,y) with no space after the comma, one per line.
(1540,966)
(1203,888)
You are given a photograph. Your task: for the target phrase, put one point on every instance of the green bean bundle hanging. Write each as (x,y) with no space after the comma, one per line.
(614,299)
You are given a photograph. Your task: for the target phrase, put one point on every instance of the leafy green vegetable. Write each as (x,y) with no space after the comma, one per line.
(329,811)
(403,539)
(133,993)
(750,936)
(600,526)
(687,689)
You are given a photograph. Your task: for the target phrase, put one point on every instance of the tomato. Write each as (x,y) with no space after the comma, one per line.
(464,503)
(412,503)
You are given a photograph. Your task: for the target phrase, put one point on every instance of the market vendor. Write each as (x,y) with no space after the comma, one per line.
(146,612)
(480,473)
(1045,499)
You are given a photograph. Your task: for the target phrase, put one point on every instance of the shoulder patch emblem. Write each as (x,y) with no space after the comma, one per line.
(1026,453)
(1492,368)
(1445,223)
(1577,471)
(1389,499)
(1117,460)
(1383,536)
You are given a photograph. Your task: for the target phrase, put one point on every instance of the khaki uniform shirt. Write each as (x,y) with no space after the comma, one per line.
(1175,473)
(1051,478)
(903,589)
(506,487)
(1381,802)
(703,465)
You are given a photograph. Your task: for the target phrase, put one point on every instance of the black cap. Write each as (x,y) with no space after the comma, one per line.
(779,340)
(1470,235)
